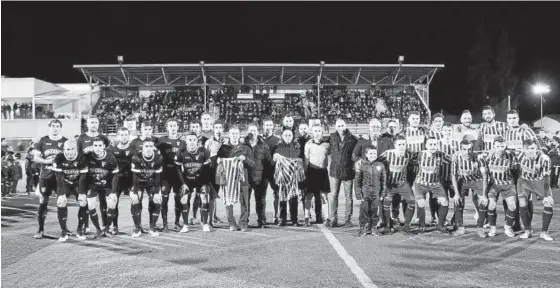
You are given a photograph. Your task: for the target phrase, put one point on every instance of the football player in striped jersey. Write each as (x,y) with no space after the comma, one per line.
(448,145)
(490,129)
(428,181)
(469,172)
(501,163)
(436,130)
(396,161)
(534,178)
(44,153)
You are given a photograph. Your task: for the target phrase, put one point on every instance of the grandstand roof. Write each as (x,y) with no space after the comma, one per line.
(156,75)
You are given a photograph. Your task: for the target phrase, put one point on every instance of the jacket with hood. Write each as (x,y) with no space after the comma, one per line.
(370,182)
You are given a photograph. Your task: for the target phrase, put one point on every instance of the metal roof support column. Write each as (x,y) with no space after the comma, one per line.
(319,90)
(204,84)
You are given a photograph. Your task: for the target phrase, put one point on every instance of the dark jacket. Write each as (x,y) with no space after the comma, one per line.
(262,158)
(17,171)
(302,140)
(360,149)
(342,165)
(29,164)
(271,142)
(370,181)
(291,150)
(385,142)
(230,151)
(554,155)
(7,173)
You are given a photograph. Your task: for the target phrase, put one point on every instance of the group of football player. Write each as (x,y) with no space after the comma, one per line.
(384,169)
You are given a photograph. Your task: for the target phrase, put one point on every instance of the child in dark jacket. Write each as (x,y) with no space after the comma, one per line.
(17,173)
(370,183)
(7,175)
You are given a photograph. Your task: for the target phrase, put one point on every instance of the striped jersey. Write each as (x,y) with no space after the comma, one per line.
(499,168)
(449,147)
(489,131)
(534,169)
(467,168)
(415,139)
(516,135)
(396,165)
(429,167)
(436,134)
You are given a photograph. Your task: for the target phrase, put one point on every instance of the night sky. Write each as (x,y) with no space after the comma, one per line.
(44,40)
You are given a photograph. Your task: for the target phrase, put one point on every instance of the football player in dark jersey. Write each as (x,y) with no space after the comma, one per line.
(85,143)
(123,151)
(44,153)
(193,166)
(168,146)
(195,127)
(67,167)
(147,130)
(146,169)
(102,179)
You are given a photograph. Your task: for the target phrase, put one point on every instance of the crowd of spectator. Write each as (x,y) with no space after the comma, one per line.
(355,106)
(17,111)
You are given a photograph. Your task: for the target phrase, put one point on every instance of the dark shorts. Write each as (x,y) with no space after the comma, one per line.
(70,189)
(47,186)
(525,188)
(124,184)
(411,172)
(150,190)
(402,189)
(476,186)
(506,191)
(448,187)
(170,184)
(436,190)
(94,191)
(317,180)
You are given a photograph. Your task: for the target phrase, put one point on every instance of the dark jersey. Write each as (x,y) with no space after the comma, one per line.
(71,169)
(194,166)
(49,149)
(499,168)
(136,143)
(429,167)
(146,169)
(85,142)
(124,158)
(202,140)
(415,139)
(467,168)
(396,166)
(169,148)
(101,170)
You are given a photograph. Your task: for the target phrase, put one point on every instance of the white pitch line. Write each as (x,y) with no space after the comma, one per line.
(132,241)
(187,241)
(348,259)
(18,209)
(140,239)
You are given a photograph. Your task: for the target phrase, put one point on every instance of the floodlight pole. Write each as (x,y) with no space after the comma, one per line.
(319,90)
(541,110)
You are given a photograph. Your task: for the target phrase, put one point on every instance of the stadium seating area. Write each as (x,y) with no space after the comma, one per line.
(355,106)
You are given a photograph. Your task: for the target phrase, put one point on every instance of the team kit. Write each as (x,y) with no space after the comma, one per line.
(384,171)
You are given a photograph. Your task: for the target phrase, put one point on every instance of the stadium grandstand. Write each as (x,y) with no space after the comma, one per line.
(244,93)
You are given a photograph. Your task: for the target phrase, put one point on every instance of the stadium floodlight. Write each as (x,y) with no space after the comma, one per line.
(120,59)
(401,59)
(541,89)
